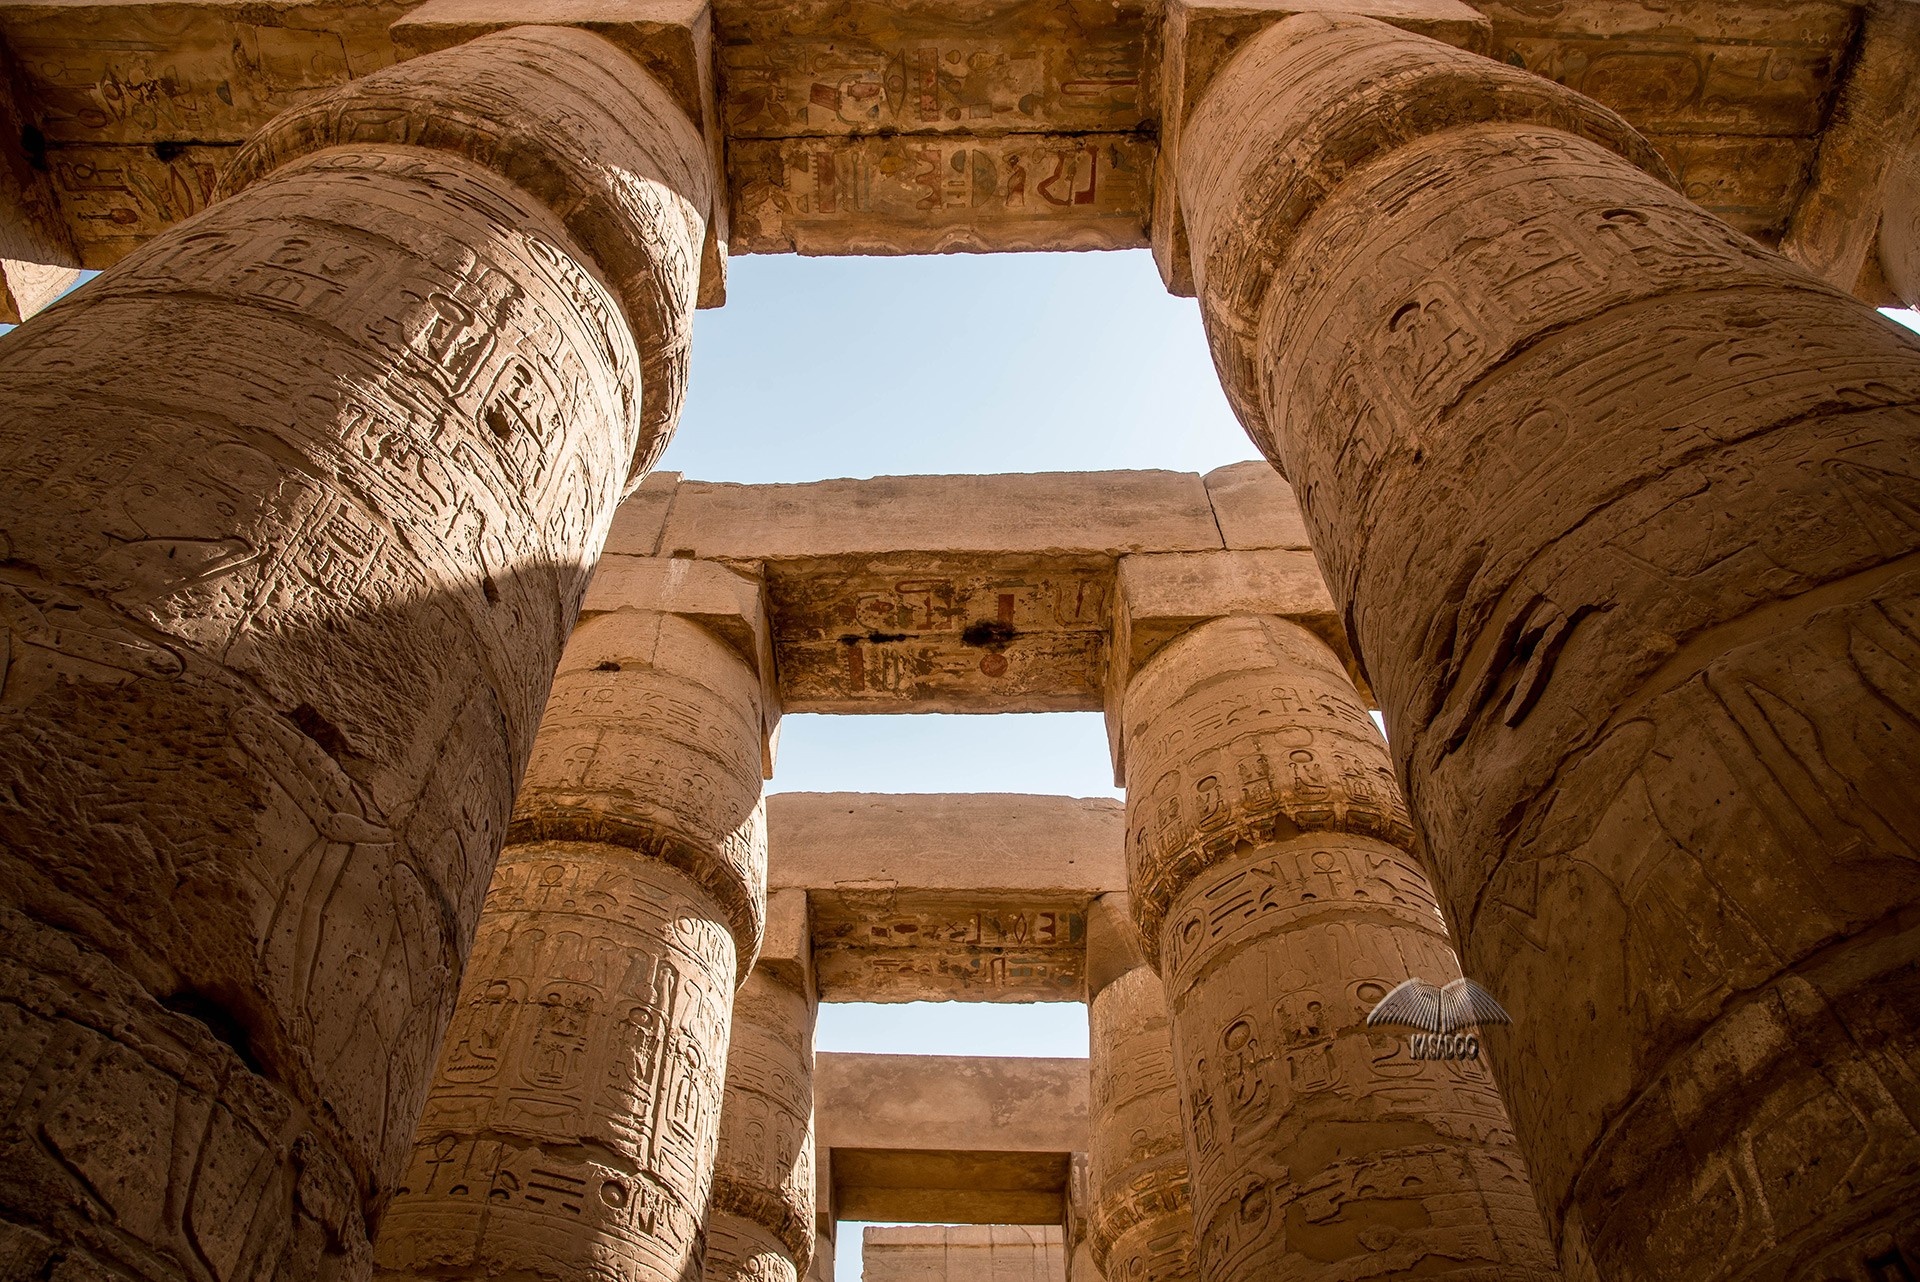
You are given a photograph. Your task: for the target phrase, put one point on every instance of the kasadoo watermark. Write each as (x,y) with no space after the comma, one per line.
(1441,1014)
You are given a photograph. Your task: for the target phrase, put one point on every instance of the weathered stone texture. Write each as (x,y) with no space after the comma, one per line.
(275,648)
(941,898)
(959,1139)
(948,1253)
(760,1221)
(1141,1226)
(1270,874)
(1900,231)
(1619,509)
(625,911)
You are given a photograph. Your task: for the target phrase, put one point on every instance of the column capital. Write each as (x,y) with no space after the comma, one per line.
(1162,596)
(672,40)
(1199,37)
(570,118)
(1301,105)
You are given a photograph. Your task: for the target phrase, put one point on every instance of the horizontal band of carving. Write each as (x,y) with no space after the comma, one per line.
(792,1224)
(569,117)
(741,901)
(1151,1191)
(1283,125)
(1243,734)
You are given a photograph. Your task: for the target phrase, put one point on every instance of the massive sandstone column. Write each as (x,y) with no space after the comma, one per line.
(572,1124)
(296,506)
(1623,513)
(1269,865)
(1141,1218)
(760,1226)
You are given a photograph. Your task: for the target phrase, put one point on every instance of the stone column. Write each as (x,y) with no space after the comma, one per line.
(760,1226)
(1273,888)
(573,1121)
(296,507)
(1622,512)
(1141,1215)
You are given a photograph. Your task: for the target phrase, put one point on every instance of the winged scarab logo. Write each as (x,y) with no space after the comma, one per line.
(1441,1013)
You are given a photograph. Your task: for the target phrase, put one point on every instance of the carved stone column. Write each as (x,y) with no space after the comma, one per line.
(1622,511)
(572,1125)
(760,1226)
(1272,884)
(296,507)
(1141,1218)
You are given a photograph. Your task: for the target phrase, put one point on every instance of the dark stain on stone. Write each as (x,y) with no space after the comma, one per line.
(991,634)
(606,665)
(878,638)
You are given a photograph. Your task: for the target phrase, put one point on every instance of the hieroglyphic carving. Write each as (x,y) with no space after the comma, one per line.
(818,69)
(1282,905)
(1142,1215)
(916,630)
(578,1096)
(760,1224)
(1636,596)
(593,1034)
(271,652)
(880,943)
(909,194)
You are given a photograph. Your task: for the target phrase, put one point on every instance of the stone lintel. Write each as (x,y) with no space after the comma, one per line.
(964,1253)
(947,898)
(950,1104)
(1161,597)
(719,598)
(1040,513)
(1201,35)
(960,1188)
(672,40)
(951,593)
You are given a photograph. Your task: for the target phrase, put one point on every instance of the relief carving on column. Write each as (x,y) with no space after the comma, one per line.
(1142,1217)
(1620,509)
(761,1225)
(575,1118)
(299,503)
(1269,853)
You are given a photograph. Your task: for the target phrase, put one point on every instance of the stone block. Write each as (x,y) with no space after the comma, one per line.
(1052,513)
(671,39)
(1255,507)
(1161,597)
(964,1253)
(642,516)
(950,1103)
(1199,38)
(971,842)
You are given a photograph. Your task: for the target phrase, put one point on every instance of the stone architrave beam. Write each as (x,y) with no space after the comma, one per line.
(963,1253)
(950,1138)
(942,898)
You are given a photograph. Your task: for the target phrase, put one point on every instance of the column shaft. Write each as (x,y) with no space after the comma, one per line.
(1623,513)
(761,1224)
(1267,856)
(296,507)
(572,1125)
(1142,1214)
